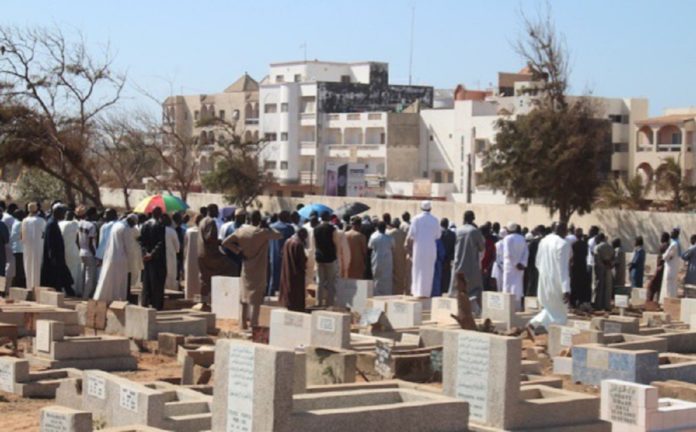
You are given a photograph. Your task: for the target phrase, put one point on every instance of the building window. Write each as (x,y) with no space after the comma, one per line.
(280,78)
(284,107)
(431,138)
(283,136)
(438,177)
(270,136)
(269,165)
(284,165)
(270,108)
(196,114)
(480,145)
(345,79)
(676,138)
(297,78)
(222,114)
(620,147)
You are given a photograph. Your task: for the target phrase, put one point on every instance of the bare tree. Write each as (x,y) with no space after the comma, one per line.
(124,161)
(67,89)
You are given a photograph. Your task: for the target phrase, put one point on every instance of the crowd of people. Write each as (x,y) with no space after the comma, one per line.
(89,254)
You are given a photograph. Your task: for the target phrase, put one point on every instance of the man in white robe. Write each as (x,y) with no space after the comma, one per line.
(105,232)
(69,229)
(171,249)
(515,255)
(497,270)
(10,266)
(192,281)
(135,254)
(553,289)
(113,278)
(421,238)
(33,227)
(672,257)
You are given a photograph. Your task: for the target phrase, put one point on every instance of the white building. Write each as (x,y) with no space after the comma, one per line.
(314,113)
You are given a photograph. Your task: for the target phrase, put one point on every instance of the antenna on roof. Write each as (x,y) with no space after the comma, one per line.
(304,47)
(410,55)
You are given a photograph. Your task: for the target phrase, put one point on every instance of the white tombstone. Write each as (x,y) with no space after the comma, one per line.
(289,329)
(226,294)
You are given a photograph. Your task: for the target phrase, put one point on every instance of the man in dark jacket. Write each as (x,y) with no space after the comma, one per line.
(155,259)
(54,271)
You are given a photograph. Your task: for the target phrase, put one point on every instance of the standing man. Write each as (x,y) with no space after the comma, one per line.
(87,240)
(401,267)
(152,241)
(192,277)
(603,263)
(449,239)
(69,228)
(553,295)
(382,247)
(110,217)
(18,279)
(405,227)
(292,274)
(357,243)
(211,261)
(580,281)
(113,278)
(591,243)
(515,256)
(636,268)
(424,231)
(275,251)
(10,264)
(672,257)
(251,242)
(54,270)
(4,246)
(531,274)
(690,257)
(467,270)
(33,227)
(327,243)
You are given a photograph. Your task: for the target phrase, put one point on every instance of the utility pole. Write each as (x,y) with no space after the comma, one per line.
(410,56)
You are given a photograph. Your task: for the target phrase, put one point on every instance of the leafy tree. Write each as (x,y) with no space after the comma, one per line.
(618,193)
(36,185)
(668,179)
(52,91)
(553,154)
(236,173)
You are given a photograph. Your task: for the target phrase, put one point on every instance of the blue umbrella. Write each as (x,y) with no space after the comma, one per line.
(319,208)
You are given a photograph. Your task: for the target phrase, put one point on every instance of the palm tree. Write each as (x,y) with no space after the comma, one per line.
(618,193)
(669,180)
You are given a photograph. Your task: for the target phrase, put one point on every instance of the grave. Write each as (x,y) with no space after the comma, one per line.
(500,308)
(442,310)
(639,296)
(330,329)
(225,294)
(62,419)
(254,392)
(25,314)
(17,378)
(51,349)
(353,293)
(564,337)
(593,363)
(635,407)
(145,323)
(616,324)
(290,329)
(404,313)
(51,297)
(117,401)
(531,304)
(484,370)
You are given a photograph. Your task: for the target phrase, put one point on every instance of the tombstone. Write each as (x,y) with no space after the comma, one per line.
(499,307)
(290,329)
(61,419)
(253,387)
(12,370)
(353,293)
(531,304)
(616,324)
(404,313)
(330,329)
(51,297)
(442,310)
(225,295)
(48,332)
(687,308)
(564,337)
(639,296)
(593,363)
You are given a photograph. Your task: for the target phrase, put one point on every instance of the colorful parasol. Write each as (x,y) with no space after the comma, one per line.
(168,204)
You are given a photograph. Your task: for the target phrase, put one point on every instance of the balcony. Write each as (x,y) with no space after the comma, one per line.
(251,121)
(669,147)
(307,177)
(308,148)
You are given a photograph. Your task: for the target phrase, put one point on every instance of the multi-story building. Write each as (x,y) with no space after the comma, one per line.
(453,140)
(314,114)
(237,105)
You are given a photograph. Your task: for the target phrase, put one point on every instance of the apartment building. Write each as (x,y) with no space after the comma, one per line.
(316,114)
(454,139)
(237,105)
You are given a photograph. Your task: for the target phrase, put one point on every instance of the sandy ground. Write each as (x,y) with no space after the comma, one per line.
(19,414)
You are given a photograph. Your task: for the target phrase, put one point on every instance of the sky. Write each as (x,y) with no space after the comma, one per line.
(618,48)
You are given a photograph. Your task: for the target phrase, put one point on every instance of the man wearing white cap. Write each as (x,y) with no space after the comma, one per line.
(421,238)
(515,255)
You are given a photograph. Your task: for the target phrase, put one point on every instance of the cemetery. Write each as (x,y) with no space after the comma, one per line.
(398,362)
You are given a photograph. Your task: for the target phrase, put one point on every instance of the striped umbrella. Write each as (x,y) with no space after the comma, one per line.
(168,204)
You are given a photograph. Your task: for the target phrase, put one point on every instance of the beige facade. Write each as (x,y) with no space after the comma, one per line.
(238,105)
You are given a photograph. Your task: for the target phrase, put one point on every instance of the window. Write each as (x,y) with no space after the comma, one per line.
(480,145)
(280,78)
(345,79)
(270,136)
(283,136)
(269,165)
(196,114)
(270,108)
(284,165)
(438,177)
(297,78)
(284,107)
(615,118)
(222,114)
(620,147)
(431,138)
(676,138)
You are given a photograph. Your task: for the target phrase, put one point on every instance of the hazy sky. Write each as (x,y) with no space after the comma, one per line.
(619,48)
